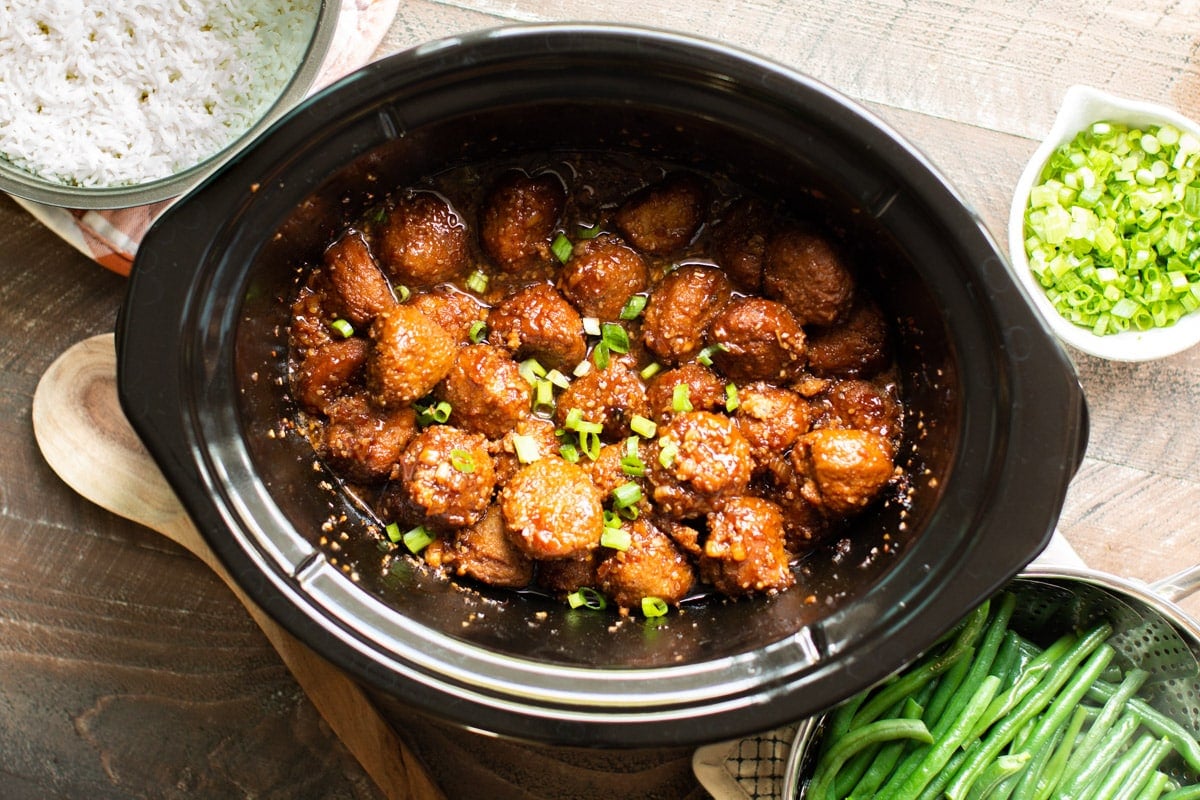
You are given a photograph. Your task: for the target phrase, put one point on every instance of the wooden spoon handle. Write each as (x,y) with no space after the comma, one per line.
(85,438)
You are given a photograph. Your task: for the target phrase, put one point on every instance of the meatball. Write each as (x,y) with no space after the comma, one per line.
(744,552)
(805,526)
(411,353)
(680,308)
(444,479)
(566,575)
(652,566)
(843,469)
(552,510)
(538,434)
(863,405)
(757,340)
(600,276)
(423,241)
(455,311)
(535,321)
(518,220)
(859,347)
(706,461)
(484,552)
(358,290)
(365,443)
(326,371)
(739,243)
(705,391)
(665,216)
(610,397)
(485,390)
(806,272)
(771,418)
(310,322)
(607,471)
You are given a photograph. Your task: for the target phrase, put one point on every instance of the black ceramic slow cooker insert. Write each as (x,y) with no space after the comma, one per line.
(996,423)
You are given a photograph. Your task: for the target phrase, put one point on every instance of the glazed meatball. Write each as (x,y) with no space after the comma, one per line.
(709,462)
(518,220)
(485,390)
(410,354)
(600,276)
(771,418)
(739,243)
(310,322)
(566,575)
(652,566)
(744,552)
(859,347)
(537,432)
(665,216)
(607,472)
(536,321)
(358,290)
(806,272)
(326,370)
(680,308)
(365,443)
(484,552)
(444,479)
(552,510)
(705,391)
(609,396)
(757,340)
(805,526)
(423,241)
(455,311)
(843,469)
(863,405)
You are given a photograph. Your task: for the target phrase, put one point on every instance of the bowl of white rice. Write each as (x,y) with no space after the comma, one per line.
(110,104)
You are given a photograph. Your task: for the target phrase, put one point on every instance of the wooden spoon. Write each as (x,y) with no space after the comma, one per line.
(85,438)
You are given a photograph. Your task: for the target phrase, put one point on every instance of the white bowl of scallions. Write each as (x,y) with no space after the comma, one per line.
(1104,230)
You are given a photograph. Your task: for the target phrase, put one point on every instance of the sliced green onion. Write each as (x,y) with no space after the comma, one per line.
(681,398)
(531,370)
(654,607)
(478,331)
(401,292)
(462,460)
(393,533)
(587,426)
(590,444)
(633,466)
(558,379)
(600,353)
(634,306)
(705,355)
(573,418)
(526,447)
(667,451)
(582,368)
(650,370)
(569,452)
(342,328)
(587,597)
(543,397)
(616,539)
(615,337)
(438,412)
(561,247)
(478,281)
(626,495)
(731,398)
(642,426)
(591,326)
(611,520)
(589,231)
(417,539)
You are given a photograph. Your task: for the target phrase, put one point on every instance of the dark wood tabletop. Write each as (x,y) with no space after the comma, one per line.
(127,670)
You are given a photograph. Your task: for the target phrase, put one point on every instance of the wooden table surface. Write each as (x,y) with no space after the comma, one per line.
(128,671)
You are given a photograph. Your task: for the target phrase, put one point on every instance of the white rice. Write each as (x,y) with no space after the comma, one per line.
(118,92)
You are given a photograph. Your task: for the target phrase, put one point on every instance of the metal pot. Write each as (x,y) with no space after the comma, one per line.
(996,428)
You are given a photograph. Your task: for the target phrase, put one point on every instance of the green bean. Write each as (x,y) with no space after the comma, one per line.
(935,787)
(1027,679)
(1033,703)
(1154,787)
(1007,658)
(1158,723)
(855,767)
(1118,773)
(1056,766)
(1060,710)
(1142,770)
(1109,746)
(942,748)
(885,759)
(1108,714)
(997,772)
(947,685)
(840,720)
(909,682)
(1184,793)
(864,736)
(989,646)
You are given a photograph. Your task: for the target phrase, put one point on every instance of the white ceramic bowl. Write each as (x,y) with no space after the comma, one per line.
(1083,105)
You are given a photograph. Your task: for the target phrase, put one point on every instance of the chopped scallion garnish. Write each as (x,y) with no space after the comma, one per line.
(591,326)
(478,281)
(633,306)
(531,371)
(462,460)
(590,444)
(600,353)
(654,607)
(558,379)
(573,418)
(667,450)
(478,331)
(681,398)
(642,426)
(587,597)
(417,539)
(650,370)
(705,355)
(589,231)
(543,397)
(615,337)
(526,447)
(438,412)
(626,495)
(616,538)
(401,292)
(731,398)
(561,247)
(393,533)
(342,328)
